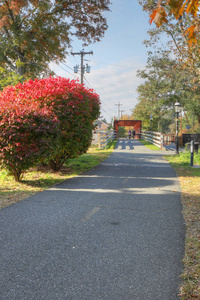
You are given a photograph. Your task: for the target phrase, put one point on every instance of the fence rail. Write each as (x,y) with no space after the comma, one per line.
(187,138)
(168,139)
(153,137)
(104,137)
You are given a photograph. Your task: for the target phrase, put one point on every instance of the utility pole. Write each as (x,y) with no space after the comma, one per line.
(121,112)
(82,53)
(118,109)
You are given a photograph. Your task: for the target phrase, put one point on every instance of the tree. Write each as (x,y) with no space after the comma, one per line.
(36,32)
(183,36)
(104,120)
(161,10)
(122,132)
(142,112)
(185,51)
(8,78)
(165,83)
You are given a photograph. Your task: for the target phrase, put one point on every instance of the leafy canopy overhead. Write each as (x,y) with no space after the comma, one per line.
(37,32)
(168,80)
(161,10)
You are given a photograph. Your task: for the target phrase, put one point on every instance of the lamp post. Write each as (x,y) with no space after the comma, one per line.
(177,110)
(151,119)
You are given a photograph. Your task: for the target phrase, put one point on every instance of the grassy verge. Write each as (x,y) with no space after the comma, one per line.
(41,177)
(149,145)
(189,178)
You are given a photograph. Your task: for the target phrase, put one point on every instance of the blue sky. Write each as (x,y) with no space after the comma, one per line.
(116,58)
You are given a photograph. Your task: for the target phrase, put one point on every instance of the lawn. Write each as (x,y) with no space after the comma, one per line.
(189,178)
(149,145)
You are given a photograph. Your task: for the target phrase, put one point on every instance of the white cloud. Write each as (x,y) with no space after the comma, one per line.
(114,84)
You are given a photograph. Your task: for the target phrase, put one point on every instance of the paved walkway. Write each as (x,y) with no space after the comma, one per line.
(172,148)
(113,233)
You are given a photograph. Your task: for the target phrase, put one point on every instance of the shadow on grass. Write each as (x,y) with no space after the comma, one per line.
(186,170)
(41,183)
(24,189)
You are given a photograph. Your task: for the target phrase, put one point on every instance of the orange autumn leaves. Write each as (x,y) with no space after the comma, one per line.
(13,6)
(159,15)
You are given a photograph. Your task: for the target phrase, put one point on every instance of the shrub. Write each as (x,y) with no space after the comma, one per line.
(49,119)
(25,132)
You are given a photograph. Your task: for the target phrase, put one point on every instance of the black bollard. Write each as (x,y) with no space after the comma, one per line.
(192,153)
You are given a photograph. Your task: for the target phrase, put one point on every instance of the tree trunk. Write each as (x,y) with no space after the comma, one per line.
(20,66)
(17,174)
(57,164)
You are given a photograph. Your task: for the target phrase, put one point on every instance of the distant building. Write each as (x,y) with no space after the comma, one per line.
(99,126)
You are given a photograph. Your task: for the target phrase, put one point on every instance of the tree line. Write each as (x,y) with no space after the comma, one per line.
(172,70)
(35,33)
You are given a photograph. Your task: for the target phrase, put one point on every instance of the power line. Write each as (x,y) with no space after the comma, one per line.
(104,83)
(81,53)
(67,66)
(57,64)
(101,99)
(117,65)
(121,112)
(106,112)
(66,71)
(119,109)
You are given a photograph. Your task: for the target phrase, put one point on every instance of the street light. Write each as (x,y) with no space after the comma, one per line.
(177,110)
(151,119)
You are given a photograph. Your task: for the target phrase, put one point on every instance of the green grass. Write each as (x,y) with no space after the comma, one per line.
(3,175)
(91,159)
(149,145)
(183,159)
(189,178)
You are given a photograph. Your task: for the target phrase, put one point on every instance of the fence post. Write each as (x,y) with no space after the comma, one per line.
(161,141)
(99,138)
(192,153)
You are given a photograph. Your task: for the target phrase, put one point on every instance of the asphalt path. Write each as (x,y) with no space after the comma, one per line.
(114,233)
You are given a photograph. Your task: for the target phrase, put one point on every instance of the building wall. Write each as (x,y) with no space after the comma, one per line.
(101,126)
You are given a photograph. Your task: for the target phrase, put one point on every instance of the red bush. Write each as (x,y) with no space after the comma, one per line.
(49,118)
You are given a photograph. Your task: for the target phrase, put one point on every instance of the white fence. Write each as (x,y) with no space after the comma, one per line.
(102,138)
(155,138)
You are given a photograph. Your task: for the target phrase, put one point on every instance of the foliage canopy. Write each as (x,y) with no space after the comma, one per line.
(172,71)
(36,32)
(161,10)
